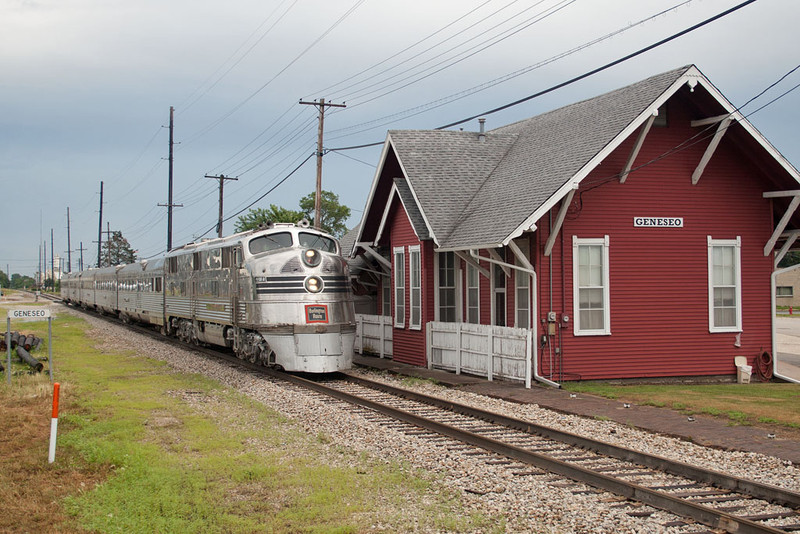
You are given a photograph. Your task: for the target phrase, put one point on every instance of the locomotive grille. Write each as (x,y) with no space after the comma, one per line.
(292,266)
(294,284)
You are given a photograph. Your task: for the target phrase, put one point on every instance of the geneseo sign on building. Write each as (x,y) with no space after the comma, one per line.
(29,314)
(658,222)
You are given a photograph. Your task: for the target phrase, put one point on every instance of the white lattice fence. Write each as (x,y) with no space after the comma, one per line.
(481,350)
(374,335)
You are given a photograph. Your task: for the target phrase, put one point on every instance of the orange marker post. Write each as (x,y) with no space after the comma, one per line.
(54,424)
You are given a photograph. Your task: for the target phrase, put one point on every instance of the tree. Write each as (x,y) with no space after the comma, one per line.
(333,214)
(4,280)
(19,281)
(255,218)
(117,250)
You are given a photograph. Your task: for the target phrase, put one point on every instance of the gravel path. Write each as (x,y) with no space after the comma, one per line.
(529,504)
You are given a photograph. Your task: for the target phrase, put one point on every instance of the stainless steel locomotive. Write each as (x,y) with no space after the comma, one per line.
(278,296)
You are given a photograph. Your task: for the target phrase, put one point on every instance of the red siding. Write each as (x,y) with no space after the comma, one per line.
(408,346)
(659,276)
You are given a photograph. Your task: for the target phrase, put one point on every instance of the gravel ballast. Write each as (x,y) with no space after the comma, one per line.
(528,503)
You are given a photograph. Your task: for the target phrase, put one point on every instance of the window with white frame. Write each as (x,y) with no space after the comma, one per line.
(591,286)
(473,295)
(446,281)
(724,285)
(386,296)
(522,283)
(499,291)
(399,287)
(784,291)
(415,271)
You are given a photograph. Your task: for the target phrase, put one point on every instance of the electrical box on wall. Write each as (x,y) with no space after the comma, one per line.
(551,317)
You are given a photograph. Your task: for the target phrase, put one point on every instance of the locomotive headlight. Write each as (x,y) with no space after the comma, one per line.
(313,284)
(311,257)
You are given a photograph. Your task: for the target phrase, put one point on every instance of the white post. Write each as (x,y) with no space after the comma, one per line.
(490,361)
(528,358)
(428,342)
(54,424)
(382,326)
(458,349)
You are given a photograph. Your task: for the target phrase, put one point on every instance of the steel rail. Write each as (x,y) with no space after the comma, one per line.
(720,480)
(702,514)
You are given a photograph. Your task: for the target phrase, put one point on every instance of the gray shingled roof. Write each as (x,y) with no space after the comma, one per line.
(412,209)
(477,193)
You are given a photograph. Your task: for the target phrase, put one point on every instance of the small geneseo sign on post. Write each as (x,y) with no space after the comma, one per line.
(30,314)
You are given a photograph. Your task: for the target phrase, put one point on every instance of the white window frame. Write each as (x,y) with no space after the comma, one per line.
(736,244)
(386,296)
(471,269)
(415,289)
(454,288)
(399,266)
(494,271)
(522,281)
(578,242)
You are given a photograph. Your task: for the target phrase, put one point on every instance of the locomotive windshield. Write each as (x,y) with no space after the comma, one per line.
(319,242)
(267,243)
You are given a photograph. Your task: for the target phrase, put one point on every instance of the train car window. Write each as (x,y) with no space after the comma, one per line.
(319,242)
(213,258)
(196,262)
(267,243)
(158,285)
(185,262)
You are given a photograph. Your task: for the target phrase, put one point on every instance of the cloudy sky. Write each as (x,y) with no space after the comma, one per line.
(87,85)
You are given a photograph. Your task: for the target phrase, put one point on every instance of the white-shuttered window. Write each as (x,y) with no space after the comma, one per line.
(724,285)
(447,303)
(590,286)
(399,287)
(415,271)
(473,295)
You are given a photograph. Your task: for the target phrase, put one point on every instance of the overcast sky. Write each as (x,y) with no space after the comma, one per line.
(86,88)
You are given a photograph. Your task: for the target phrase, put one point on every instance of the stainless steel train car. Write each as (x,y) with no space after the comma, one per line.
(278,296)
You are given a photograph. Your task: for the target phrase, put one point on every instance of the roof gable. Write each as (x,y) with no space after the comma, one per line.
(479,191)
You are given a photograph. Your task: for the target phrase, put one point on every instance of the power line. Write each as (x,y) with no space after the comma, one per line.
(577,78)
(252,95)
(417,110)
(600,69)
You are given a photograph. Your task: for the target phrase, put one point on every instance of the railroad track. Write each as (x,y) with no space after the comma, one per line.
(711,498)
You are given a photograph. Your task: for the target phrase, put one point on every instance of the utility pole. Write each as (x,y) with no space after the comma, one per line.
(69,246)
(52,261)
(317,200)
(169,205)
(221,179)
(100,229)
(44,264)
(81,260)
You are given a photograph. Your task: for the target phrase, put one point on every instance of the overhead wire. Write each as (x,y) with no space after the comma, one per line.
(453,60)
(193,100)
(252,95)
(406,49)
(576,78)
(417,110)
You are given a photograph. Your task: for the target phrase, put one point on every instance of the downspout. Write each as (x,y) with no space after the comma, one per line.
(774,303)
(534,303)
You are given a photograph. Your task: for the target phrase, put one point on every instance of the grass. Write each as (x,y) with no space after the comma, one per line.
(740,404)
(144,449)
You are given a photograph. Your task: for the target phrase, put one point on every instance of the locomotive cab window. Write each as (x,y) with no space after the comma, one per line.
(268,243)
(316,241)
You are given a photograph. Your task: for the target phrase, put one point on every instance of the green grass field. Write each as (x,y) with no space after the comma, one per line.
(145,449)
